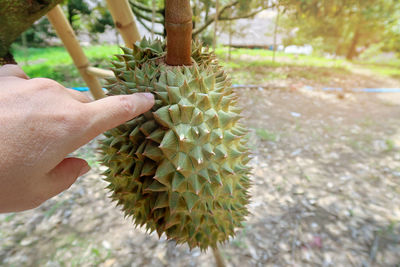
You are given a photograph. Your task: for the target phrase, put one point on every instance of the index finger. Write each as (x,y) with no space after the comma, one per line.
(112,111)
(11,70)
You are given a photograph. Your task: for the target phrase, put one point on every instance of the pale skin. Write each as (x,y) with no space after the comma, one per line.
(41,122)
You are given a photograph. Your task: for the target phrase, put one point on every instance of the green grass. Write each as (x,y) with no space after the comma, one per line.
(266,135)
(390,144)
(256,66)
(9,217)
(388,70)
(264,57)
(247,66)
(50,212)
(55,63)
(313,67)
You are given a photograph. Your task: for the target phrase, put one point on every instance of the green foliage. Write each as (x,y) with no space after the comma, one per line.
(392,34)
(75,10)
(207,38)
(203,11)
(101,21)
(38,34)
(344,27)
(95,20)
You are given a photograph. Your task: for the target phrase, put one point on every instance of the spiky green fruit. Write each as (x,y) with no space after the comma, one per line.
(179,169)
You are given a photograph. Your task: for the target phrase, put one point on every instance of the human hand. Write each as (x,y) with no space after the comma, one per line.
(41,122)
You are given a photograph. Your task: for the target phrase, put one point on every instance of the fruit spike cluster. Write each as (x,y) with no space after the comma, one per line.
(179,169)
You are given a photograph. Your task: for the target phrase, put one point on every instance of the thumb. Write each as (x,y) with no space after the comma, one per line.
(65,174)
(113,111)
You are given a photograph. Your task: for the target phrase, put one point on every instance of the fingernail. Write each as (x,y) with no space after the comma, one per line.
(84,170)
(149,96)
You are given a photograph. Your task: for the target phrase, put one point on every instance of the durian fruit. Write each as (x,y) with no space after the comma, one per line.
(179,169)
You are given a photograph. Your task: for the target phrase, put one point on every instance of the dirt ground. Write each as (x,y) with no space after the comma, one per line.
(326,193)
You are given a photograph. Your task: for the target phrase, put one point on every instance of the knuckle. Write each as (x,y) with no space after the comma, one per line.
(45,84)
(11,68)
(70,120)
(78,114)
(63,117)
(127,105)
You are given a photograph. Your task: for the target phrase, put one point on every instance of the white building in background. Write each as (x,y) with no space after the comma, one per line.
(257,32)
(299,50)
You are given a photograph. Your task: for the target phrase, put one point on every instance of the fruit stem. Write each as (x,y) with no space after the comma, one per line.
(219,260)
(178,23)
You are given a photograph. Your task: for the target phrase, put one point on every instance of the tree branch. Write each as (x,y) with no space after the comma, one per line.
(147,27)
(212,18)
(144,8)
(243,16)
(140,15)
(220,17)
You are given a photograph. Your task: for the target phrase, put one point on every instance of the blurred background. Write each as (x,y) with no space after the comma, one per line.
(319,82)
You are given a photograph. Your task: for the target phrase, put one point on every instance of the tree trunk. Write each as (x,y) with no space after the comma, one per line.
(216,24)
(16,16)
(153,18)
(179,26)
(275,32)
(352,50)
(230,40)
(338,48)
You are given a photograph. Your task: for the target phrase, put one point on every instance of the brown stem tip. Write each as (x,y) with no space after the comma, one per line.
(178,23)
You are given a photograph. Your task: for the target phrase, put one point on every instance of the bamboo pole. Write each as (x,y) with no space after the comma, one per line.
(124,21)
(100,73)
(71,43)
